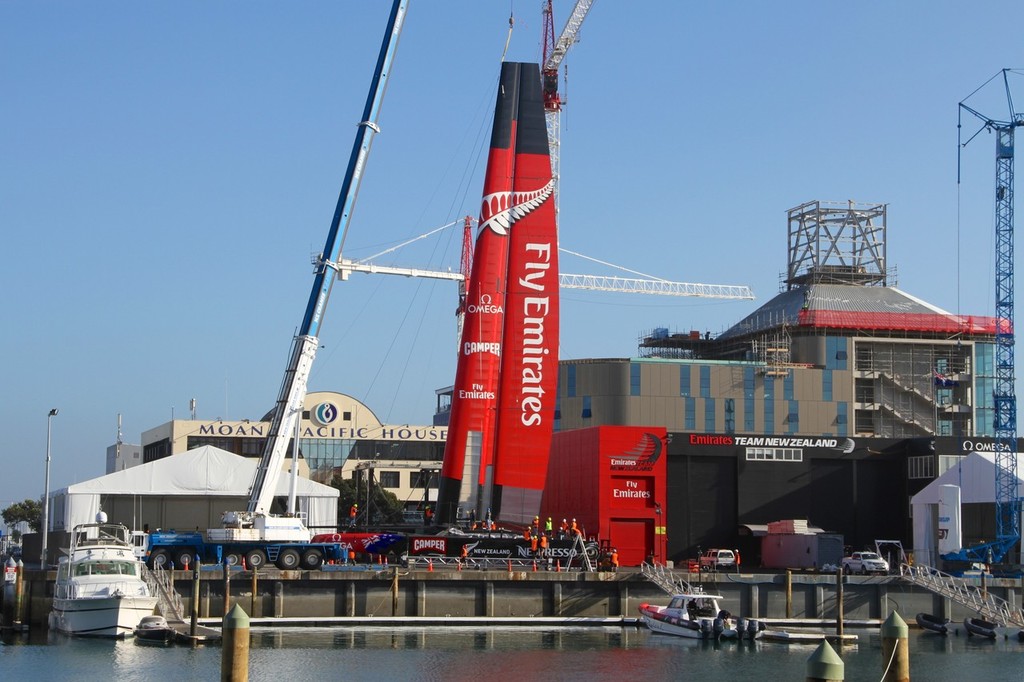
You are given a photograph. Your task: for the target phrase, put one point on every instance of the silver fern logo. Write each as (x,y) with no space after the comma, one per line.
(501,209)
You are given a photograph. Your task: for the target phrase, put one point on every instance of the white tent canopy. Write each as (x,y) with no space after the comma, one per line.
(205,472)
(975,475)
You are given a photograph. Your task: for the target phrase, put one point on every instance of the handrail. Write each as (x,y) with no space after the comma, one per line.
(986,604)
(169,600)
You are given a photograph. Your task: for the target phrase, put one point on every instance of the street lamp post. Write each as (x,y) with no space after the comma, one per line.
(46,491)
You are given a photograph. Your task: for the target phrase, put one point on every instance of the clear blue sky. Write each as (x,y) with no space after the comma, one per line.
(168,169)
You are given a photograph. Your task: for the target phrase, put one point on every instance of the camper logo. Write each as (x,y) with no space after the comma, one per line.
(325,413)
(640,457)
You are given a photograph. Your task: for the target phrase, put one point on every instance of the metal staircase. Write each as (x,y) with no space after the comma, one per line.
(988,606)
(169,602)
(666,580)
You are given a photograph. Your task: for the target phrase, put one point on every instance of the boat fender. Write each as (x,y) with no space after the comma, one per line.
(741,626)
(752,627)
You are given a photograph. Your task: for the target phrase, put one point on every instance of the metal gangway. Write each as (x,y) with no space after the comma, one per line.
(168,600)
(667,580)
(987,605)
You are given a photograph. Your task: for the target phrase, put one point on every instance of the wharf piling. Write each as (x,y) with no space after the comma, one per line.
(824,665)
(895,649)
(234,662)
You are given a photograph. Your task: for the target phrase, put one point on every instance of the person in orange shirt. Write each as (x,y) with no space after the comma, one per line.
(353,512)
(533,544)
(615,560)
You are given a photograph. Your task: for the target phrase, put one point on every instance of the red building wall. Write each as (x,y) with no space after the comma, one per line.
(612,480)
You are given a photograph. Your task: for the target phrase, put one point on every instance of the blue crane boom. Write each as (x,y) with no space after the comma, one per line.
(1007,495)
(293,387)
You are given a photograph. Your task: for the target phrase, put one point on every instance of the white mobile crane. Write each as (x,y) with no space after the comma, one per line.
(256,522)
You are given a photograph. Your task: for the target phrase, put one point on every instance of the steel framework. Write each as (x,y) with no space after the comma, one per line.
(1004,397)
(834,242)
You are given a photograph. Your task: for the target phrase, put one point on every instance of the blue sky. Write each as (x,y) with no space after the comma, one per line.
(168,169)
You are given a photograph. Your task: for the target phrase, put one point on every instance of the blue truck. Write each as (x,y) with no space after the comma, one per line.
(180,549)
(164,548)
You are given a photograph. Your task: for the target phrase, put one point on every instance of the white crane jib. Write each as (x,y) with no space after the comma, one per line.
(288,409)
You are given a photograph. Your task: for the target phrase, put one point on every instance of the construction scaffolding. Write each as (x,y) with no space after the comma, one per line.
(903,390)
(837,243)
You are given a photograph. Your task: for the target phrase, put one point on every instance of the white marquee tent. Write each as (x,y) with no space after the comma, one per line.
(975,475)
(188,489)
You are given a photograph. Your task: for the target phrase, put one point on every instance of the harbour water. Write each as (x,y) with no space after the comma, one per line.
(495,654)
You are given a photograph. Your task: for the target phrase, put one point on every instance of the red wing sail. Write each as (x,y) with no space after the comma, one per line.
(529,367)
(469,446)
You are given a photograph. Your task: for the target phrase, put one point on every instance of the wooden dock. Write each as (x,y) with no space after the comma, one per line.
(204,634)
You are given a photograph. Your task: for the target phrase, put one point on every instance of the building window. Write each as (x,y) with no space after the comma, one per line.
(730,415)
(422,479)
(705,382)
(864,422)
(921,466)
(864,391)
(634,379)
(690,418)
(947,462)
(587,414)
(684,380)
(769,413)
(709,415)
(389,479)
(775,455)
(570,381)
(787,387)
(826,385)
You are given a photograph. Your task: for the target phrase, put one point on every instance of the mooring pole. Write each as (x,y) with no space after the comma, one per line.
(839,605)
(227,587)
(234,659)
(252,604)
(789,594)
(394,592)
(824,665)
(895,653)
(194,621)
(19,593)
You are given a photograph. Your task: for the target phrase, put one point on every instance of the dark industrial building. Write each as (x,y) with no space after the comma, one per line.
(834,402)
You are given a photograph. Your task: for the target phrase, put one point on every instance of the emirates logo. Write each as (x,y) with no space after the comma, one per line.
(501,209)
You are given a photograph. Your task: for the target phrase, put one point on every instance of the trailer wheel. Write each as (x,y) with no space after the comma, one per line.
(159,559)
(256,558)
(312,559)
(232,558)
(288,559)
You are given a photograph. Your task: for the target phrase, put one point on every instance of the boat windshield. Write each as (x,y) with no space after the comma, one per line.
(106,568)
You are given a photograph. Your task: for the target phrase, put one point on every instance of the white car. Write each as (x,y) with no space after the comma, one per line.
(716,559)
(864,563)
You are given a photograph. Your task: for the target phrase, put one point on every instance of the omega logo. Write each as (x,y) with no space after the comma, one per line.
(485,306)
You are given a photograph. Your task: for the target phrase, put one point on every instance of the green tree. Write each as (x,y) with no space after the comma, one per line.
(29,511)
(384,507)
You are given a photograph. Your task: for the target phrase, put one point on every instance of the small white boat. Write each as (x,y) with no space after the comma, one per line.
(100,591)
(697,615)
